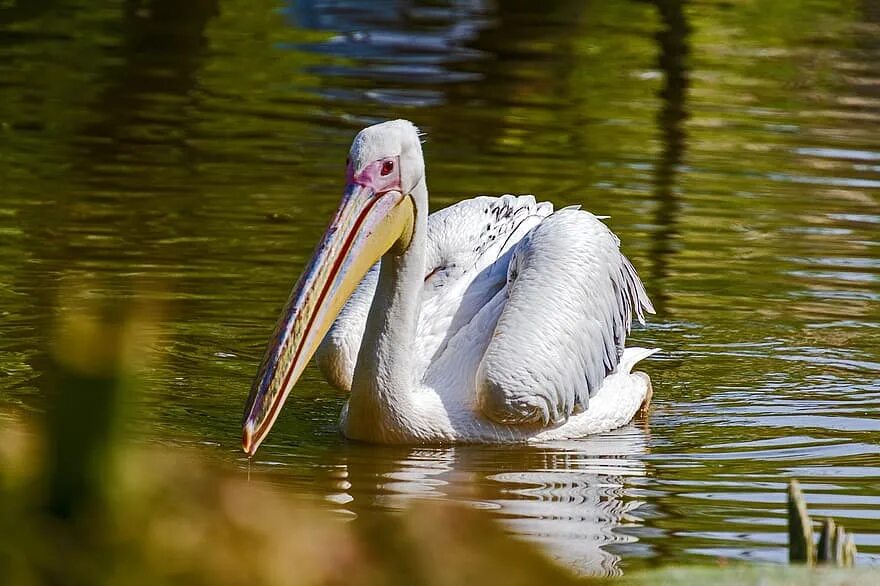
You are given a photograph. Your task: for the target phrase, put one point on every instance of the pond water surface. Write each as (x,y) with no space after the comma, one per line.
(193,152)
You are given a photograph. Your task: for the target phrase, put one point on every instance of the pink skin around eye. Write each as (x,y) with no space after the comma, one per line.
(381,176)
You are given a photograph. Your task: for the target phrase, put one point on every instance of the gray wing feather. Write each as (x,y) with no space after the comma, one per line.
(571,299)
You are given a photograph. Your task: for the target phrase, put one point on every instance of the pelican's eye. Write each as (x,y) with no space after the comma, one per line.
(387,167)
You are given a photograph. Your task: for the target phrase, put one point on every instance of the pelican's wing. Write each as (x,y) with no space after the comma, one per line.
(571,298)
(469,247)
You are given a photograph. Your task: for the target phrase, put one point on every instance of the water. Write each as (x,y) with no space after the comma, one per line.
(193,152)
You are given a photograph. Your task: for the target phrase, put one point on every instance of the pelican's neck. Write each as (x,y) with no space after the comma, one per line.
(384,376)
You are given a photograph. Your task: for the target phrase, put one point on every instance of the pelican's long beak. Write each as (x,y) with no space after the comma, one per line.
(365,227)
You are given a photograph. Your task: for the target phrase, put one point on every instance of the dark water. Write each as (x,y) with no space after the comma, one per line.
(192,152)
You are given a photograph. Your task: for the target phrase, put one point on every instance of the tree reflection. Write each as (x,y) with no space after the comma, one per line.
(672,41)
(159,55)
(130,138)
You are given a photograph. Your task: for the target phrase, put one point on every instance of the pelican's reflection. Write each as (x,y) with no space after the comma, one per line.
(569,497)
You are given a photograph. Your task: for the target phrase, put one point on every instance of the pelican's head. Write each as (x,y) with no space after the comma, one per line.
(376,215)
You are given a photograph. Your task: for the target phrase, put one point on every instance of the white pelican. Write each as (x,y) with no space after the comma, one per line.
(493,320)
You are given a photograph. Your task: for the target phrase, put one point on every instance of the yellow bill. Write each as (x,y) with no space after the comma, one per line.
(366,226)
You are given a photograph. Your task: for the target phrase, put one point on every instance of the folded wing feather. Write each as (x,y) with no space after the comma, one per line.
(571,298)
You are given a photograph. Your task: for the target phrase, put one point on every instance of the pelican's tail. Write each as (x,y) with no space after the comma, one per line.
(631,356)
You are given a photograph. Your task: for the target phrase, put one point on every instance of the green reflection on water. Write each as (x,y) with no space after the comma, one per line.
(198,148)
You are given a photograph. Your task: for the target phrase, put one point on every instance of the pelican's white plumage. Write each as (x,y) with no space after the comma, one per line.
(499,320)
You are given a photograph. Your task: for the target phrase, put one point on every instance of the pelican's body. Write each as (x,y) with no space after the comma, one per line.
(493,320)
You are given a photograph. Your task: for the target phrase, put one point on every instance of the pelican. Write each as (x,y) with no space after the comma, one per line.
(495,320)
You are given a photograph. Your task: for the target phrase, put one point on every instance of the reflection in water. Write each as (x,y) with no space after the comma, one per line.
(403,49)
(672,42)
(160,54)
(142,132)
(135,134)
(570,497)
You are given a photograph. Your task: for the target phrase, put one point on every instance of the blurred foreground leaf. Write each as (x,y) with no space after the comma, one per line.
(174,521)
